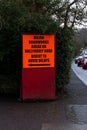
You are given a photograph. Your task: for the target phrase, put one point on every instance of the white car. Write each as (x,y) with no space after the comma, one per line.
(78,58)
(85,55)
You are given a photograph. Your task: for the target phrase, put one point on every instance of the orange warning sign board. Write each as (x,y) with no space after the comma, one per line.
(38,51)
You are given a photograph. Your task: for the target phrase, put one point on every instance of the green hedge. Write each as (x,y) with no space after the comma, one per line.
(19,21)
(64,53)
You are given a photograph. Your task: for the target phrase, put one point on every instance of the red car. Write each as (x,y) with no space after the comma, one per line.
(84,64)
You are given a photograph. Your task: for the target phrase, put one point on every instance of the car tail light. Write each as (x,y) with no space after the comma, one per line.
(84,63)
(78,61)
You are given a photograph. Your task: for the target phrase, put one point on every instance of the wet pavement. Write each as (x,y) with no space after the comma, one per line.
(77,113)
(64,127)
(66,113)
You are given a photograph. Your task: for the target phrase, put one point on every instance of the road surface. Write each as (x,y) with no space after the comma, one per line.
(80,72)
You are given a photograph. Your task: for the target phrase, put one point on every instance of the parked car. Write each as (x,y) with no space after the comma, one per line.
(80,61)
(84,64)
(76,59)
(85,55)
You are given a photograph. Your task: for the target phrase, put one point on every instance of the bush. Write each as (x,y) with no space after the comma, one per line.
(16,20)
(10,46)
(64,53)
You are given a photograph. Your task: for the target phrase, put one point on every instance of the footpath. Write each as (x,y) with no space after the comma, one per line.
(66,113)
(77,90)
(73,111)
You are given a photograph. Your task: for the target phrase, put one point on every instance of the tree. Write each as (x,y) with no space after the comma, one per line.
(69,12)
(80,40)
(16,19)
(9,27)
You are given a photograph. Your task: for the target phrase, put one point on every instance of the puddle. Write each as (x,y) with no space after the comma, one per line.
(77,113)
(49,126)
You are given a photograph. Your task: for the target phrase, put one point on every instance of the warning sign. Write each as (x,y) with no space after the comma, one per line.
(38,51)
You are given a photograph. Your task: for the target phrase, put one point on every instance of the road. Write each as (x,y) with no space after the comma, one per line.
(80,72)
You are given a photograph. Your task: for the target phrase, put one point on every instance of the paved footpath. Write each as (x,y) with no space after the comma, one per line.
(66,113)
(75,108)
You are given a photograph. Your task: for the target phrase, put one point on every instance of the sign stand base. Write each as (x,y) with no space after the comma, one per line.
(38,83)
